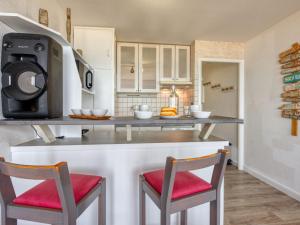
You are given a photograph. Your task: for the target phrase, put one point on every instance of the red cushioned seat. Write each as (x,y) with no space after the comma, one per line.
(45,194)
(185,183)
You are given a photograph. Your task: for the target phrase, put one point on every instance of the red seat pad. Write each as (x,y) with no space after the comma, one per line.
(185,183)
(45,194)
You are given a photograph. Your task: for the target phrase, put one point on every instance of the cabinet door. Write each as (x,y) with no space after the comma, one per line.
(183,63)
(148,68)
(97,45)
(105,99)
(127,67)
(167,63)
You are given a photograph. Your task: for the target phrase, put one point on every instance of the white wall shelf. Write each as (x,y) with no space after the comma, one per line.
(23,24)
(78,56)
(72,93)
(87,91)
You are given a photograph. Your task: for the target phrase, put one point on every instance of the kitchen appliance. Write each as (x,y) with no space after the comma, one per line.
(32,76)
(86,73)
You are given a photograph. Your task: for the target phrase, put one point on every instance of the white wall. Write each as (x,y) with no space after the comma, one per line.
(212,50)
(11,135)
(30,8)
(222,103)
(271,152)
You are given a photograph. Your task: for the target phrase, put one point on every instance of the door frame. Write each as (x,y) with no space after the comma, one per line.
(241,101)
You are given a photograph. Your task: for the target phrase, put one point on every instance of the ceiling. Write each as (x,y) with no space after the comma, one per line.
(181,21)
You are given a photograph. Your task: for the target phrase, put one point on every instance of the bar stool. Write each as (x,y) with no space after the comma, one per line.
(175,189)
(60,199)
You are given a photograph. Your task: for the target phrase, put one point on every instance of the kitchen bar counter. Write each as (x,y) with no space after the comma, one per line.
(119,138)
(42,125)
(121,121)
(109,154)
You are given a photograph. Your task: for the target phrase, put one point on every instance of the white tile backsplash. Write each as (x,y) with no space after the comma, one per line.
(124,102)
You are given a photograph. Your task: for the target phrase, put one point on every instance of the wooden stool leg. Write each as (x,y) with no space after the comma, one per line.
(71,222)
(142,200)
(183,217)
(165,218)
(102,205)
(7,221)
(215,212)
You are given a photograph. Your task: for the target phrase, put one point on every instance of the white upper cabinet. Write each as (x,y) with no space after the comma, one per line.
(127,67)
(167,62)
(142,67)
(148,68)
(182,63)
(137,67)
(96,45)
(175,64)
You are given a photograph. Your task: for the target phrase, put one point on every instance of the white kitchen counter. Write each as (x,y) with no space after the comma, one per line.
(109,154)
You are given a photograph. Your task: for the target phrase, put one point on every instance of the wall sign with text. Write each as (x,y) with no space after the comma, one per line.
(290,71)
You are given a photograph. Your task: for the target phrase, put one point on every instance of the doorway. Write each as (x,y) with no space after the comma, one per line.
(222,93)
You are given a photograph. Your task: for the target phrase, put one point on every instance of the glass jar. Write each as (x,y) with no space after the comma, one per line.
(174,98)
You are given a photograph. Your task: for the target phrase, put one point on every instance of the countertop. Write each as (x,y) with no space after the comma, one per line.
(122,121)
(110,137)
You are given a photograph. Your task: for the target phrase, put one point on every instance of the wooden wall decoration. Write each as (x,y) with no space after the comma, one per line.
(227,89)
(290,70)
(206,83)
(43,17)
(69,25)
(216,86)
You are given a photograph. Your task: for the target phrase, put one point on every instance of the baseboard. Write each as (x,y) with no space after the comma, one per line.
(234,163)
(259,175)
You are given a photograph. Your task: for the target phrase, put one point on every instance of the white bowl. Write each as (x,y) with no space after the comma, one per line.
(86,112)
(195,108)
(201,114)
(99,112)
(143,115)
(76,111)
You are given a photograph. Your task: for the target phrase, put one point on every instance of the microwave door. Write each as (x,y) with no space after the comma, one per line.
(89,79)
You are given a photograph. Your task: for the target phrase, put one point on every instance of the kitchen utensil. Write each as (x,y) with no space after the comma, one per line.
(144,108)
(86,112)
(194,108)
(201,114)
(143,115)
(186,111)
(135,108)
(99,112)
(76,111)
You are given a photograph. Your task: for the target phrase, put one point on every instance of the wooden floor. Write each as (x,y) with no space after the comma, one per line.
(249,201)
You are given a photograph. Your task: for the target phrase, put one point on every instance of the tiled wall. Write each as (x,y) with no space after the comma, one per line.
(124,102)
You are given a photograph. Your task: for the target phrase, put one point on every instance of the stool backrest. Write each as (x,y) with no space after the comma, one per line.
(218,160)
(58,172)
